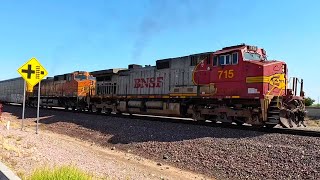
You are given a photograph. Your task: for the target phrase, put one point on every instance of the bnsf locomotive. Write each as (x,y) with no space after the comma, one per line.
(68,90)
(235,84)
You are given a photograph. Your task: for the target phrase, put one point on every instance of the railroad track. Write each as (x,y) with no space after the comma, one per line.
(299,132)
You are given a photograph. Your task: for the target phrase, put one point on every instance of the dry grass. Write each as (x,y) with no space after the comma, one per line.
(19,138)
(10,136)
(313,123)
(9,149)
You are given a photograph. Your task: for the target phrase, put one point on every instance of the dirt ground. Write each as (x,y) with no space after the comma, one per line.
(24,151)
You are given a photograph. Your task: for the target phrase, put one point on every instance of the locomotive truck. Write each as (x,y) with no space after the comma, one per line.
(235,84)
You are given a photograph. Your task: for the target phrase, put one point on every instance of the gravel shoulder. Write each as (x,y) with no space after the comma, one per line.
(24,151)
(215,152)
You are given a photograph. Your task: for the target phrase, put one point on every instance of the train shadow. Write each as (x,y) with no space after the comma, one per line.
(16,110)
(115,130)
(314,118)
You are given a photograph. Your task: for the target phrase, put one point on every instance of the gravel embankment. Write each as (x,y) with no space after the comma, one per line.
(216,152)
(24,151)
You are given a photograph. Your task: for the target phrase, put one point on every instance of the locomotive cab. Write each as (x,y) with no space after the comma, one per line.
(244,71)
(82,75)
(66,90)
(264,77)
(269,79)
(85,83)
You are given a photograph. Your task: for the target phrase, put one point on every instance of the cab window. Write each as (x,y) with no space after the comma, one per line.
(215,61)
(252,56)
(224,59)
(80,77)
(228,59)
(234,58)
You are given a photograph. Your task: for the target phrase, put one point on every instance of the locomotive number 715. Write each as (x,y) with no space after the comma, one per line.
(227,74)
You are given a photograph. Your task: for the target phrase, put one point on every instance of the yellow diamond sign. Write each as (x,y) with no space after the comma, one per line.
(32,71)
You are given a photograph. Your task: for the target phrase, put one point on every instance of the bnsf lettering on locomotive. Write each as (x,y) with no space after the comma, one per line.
(148,82)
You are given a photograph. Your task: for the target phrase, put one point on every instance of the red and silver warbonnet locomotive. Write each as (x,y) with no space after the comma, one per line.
(234,84)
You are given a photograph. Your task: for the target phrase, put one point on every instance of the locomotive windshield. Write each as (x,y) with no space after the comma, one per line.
(92,78)
(80,77)
(252,56)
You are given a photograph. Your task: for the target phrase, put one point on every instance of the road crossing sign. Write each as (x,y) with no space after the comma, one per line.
(32,71)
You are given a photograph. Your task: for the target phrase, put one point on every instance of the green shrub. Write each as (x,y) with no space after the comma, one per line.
(60,173)
(309,101)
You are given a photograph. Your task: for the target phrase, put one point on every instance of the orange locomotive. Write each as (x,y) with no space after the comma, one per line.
(67,90)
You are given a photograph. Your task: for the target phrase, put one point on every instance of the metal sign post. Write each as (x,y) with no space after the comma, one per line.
(23,103)
(38,107)
(32,72)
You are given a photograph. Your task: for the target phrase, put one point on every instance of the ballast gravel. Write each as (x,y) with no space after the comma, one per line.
(216,152)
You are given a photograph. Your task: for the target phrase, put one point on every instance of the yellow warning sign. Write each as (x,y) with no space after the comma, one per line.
(32,71)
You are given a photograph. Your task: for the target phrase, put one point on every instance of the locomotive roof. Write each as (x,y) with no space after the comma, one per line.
(230,48)
(181,57)
(12,79)
(106,71)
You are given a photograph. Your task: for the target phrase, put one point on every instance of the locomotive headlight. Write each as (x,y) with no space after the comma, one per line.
(252,48)
(283,68)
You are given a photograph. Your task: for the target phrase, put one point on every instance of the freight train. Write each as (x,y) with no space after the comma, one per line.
(235,84)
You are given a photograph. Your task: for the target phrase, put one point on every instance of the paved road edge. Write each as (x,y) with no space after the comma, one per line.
(6,173)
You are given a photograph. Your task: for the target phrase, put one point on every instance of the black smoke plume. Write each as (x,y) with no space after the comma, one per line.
(164,15)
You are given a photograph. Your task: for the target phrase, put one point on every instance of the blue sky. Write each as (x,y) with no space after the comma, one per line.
(100,34)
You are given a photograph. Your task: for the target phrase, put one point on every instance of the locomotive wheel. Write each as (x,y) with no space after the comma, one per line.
(197,116)
(213,119)
(270,126)
(99,110)
(239,121)
(257,125)
(93,108)
(66,108)
(257,122)
(119,113)
(107,111)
